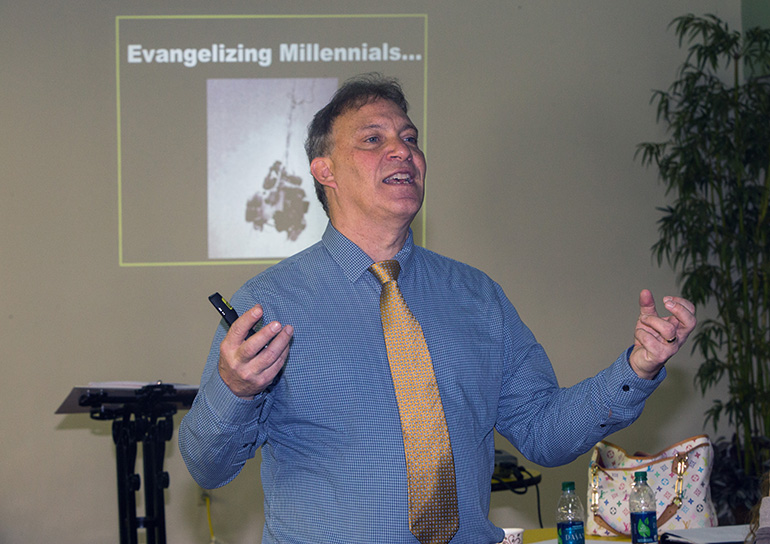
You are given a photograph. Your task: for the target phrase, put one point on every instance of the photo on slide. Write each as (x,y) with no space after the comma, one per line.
(259,182)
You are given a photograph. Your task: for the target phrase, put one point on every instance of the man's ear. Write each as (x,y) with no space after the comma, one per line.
(321,168)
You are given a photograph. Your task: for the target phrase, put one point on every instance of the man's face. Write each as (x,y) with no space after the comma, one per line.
(375,171)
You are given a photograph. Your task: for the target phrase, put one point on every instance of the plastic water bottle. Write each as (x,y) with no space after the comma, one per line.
(641,502)
(570,516)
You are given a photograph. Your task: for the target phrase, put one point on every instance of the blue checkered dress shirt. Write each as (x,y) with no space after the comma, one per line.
(333,468)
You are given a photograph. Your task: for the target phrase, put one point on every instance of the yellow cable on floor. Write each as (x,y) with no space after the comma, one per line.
(207,498)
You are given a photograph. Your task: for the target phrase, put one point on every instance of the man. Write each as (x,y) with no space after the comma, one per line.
(313,388)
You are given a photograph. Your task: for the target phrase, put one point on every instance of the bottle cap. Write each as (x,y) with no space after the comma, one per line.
(568,486)
(640,476)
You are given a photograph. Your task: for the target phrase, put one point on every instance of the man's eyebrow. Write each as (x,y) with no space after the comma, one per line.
(377,126)
(369,127)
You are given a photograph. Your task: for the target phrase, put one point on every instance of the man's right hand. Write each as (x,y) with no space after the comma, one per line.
(249,366)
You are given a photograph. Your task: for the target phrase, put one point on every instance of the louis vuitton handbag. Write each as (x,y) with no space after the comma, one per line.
(679,476)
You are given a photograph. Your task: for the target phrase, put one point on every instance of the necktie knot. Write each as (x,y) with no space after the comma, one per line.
(386,271)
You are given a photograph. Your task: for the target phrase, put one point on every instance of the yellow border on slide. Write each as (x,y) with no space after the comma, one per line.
(119,18)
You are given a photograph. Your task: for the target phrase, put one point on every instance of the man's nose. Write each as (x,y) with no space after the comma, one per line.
(400,150)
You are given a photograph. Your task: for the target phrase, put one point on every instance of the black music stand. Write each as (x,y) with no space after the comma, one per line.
(140,413)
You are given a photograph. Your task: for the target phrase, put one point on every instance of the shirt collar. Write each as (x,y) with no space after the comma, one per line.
(352,259)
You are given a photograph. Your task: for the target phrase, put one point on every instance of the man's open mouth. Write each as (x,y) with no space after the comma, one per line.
(401,178)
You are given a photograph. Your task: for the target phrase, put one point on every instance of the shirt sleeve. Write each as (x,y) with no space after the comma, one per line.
(551,425)
(221,431)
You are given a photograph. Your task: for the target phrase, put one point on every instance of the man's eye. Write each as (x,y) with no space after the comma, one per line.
(372,139)
(411,139)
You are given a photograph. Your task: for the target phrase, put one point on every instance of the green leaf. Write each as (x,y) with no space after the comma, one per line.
(643,528)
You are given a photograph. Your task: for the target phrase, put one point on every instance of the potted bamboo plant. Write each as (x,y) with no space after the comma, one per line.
(716,234)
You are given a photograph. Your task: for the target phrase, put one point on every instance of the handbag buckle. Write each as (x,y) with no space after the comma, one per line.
(681,463)
(594,488)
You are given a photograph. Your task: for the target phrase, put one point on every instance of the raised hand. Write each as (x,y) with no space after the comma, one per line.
(657,338)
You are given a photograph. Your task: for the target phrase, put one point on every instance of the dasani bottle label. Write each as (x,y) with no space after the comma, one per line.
(570,532)
(644,527)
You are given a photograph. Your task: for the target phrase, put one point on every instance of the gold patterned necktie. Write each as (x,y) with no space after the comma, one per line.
(433,515)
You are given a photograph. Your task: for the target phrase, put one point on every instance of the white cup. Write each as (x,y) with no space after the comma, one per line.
(513,536)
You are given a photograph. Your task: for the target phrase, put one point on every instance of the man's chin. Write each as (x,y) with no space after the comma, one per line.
(407,211)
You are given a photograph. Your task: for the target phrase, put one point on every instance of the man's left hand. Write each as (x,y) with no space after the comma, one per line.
(657,338)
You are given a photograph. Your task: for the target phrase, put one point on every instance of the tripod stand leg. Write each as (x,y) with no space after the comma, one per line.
(156,480)
(124,436)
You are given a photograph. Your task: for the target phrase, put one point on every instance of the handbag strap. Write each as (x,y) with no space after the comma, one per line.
(606,526)
(668,513)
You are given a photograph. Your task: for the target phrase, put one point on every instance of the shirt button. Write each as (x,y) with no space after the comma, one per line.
(626,388)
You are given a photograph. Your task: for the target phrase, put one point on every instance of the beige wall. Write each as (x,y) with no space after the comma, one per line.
(534,110)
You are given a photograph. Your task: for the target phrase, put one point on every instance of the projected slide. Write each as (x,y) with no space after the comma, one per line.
(212,118)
